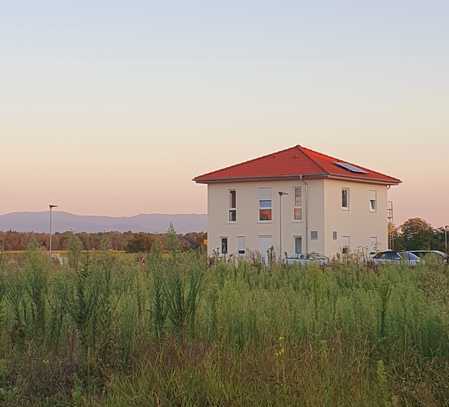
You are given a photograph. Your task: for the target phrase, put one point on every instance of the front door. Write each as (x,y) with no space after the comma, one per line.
(298,245)
(265,244)
(372,245)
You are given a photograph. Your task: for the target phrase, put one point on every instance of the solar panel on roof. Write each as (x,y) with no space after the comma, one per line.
(351,168)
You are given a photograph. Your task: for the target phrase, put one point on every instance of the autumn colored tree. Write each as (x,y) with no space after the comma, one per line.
(416,234)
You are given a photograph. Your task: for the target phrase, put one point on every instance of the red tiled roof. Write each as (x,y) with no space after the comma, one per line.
(292,163)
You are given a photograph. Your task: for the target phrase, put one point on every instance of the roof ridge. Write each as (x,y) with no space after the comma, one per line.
(245,162)
(301,148)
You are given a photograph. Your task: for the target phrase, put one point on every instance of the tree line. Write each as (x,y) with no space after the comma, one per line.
(417,234)
(132,242)
(413,234)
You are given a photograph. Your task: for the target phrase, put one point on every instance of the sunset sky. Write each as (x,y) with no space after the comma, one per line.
(112,107)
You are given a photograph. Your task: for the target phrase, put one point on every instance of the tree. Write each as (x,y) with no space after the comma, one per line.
(195,240)
(438,242)
(139,243)
(171,240)
(75,248)
(416,234)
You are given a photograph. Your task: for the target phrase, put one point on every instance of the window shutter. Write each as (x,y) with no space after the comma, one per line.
(264,194)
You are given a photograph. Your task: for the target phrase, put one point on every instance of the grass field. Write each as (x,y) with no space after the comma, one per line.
(106,330)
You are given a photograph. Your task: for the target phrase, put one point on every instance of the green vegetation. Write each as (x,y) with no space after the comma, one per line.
(417,234)
(131,242)
(107,330)
(413,234)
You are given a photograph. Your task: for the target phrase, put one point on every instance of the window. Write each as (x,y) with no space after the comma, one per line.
(298,245)
(241,245)
(224,245)
(314,235)
(265,210)
(265,205)
(407,256)
(297,207)
(345,198)
(391,256)
(335,235)
(232,206)
(372,201)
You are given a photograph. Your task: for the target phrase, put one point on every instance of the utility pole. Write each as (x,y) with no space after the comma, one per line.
(51,226)
(281,194)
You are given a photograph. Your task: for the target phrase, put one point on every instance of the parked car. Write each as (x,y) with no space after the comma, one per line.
(443,257)
(395,257)
(305,260)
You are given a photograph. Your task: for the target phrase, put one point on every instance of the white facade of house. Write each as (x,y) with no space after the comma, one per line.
(325,216)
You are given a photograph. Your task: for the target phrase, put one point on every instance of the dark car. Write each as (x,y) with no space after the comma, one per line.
(395,257)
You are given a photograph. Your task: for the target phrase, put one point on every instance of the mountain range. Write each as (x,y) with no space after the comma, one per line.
(151,223)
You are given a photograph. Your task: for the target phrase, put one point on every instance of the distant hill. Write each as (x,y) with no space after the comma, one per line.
(63,221)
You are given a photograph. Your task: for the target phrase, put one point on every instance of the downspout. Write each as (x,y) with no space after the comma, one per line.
(306,212)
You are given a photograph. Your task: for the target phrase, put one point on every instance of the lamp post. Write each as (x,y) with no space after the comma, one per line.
(51,226)
(446,228)
(281,194)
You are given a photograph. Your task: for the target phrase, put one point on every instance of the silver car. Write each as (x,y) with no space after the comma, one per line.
(306,260)
(440,256)
(395,257)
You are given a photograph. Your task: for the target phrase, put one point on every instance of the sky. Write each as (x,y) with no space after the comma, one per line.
(112,107)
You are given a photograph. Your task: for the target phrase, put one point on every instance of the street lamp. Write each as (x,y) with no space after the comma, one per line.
(51,207)
(446,228)
(281,194)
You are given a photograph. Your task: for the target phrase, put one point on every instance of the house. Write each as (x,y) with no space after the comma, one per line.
(296,201)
